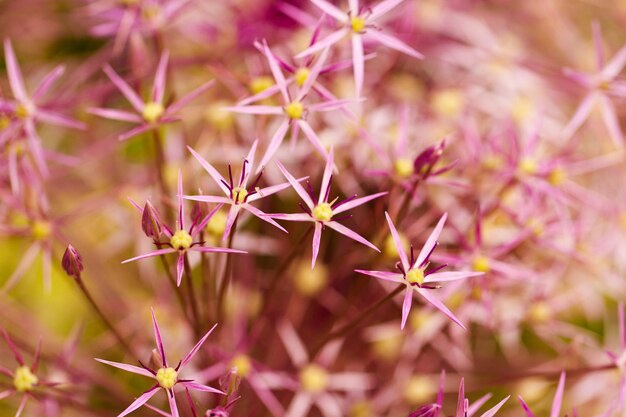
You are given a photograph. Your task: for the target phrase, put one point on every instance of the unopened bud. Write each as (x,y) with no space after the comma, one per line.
(151,222)
(425,161)
(72,262)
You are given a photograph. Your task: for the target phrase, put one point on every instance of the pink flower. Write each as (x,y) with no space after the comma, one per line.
(359,23)
(152,113)
(321,211)
(241,195)
(180,240)
(166,377)
(414,275)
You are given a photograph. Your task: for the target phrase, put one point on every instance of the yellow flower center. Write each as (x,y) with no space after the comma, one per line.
(181,240)
(448,102)
(309,282)
(481,264)
(152,111)
(167,377)
(528,166)
(41,230)
(415,276)
(539,312)
(313,378)
(294,110)
(557,176)
(239,195)
(536,226)
(301,76)
(419,389)
(217,224)
(361,408)
(4,122)
(24,380)
(323,212)
(23,110)
(260,84)
(243,364)
(357,24)
(403,167)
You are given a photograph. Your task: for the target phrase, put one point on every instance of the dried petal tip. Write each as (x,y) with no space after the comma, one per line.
(151,222)
(72,262)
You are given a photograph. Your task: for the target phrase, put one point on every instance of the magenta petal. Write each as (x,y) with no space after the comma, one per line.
(357,202)
(134,132)
(558,397)
(304,195)
(122,115)
(212,171)
(181,208)
(195,349)
(384,275)
(525,407)
(292,217)
(383,8)
(204,388)
(394,43)
(230,219)
(328,172)
(48,80)
(431,241)
(493,410)
(263,216)
(151,254)
(450,276)
(59,120)
(438,304)
(406,306)
(351,234)
(209,249)
(317,236)
(331,10)
(180,267)
(329,40)
(140,401)
(275,142)
(398,244)
(209,199)
(158,338)
(187,98)
(126,367)
(312,137)
(125,89)
(158,88)
(13,71)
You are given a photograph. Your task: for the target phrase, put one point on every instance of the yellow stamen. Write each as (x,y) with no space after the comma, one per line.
(152,111)
(539,312)
(4,122)
(181,240)
(301,76)
(242,363)
(313,378)
(357,24)
(481,264)
(557,176)
(361,408)
(419,389)
(415,276)
(24,380)
(260,84)
(23,110)
(239,195)
(41,230)
(403,167)
(167,377)
(528,166)
(323,212)
(294,110)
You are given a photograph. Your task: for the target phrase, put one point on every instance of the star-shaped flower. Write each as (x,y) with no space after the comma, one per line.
(414,275)
(166,377)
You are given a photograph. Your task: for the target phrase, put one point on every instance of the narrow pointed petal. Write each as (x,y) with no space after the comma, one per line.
(255,109)
(431,241)
(263,216)
(122,115)
(180,268)
(128,368)
(384,275)
(134,132)
(450,276)
(21,406)
(300,405)
(493,410)
(27,260)
(331,10)
(204,388)
(525,407)
(328,172)
(580,116)
(268,92)
(358,63)
(558,397)
(312,77)
(59,120)
(196,348)
(296,186)
(47,82)
(12,348)
(158,338)
(354,7)
(187,98)
(293,217)
(208,199)
(328,41)
(394,43)
(312,137)
(351,234)
(212,171)
(438,304)
(273,189)
(275,142)
(330,105)
(250,159)
(383,8)
(14,73)
(230,219)
(293,345)
(158,87)
(615,65)
(210,249)
(140,401)
(609,115)
(132,97)
(276,72)
(5,394)
(317,236)
(398,244)
(357,202)
(460,403)
(150,254)
(181,208)
(406,306)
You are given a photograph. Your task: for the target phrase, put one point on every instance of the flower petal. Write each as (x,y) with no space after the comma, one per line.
(217,177)
(195,349)
(406,306)
(275,142)
(394,43)
(351,234)
(431,241)
(317,236)
(384,275)
(132,97)
(14,73)
(450,276)
(329,40)
(438,304)
(398,244)
(328,172)
(158,339)
(150,254)
(304,195)
(358,62)
(331,10)
(357,202)
(127,367)
(158,87)
(203,388)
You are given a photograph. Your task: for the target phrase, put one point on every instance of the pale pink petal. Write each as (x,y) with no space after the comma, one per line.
(293,345)
(476,405)
(293,217)
(255,109)
(558,397)
(276,72)
(394,43)
(274,144)
(398,244)
(384,275)
(615,65)
(331,10)
(14,73)
(230,219)
(126,89)
(382,8)
(582,113)
(116,114)
(134,132)
(59,119)
(187,98)
(312,137)
(438,304)
(450,276)
(212,171)
(300,405)
(250,159)
(27,259)
(171,399)
(6,393)
(493,410)
(406,306)
(180,267)
(304,195)
(313,74)
(34,143)
(204,388)
(317,236)
(431,241)
(158,87)
(158,338)
(609,115)
(329,404)
(328,172)
(273,189)
(209,199)
(266,396)
(181,207)
(460,402)
(151,254)
(598,44)
(195,349)
(358,62)
(350,381)
(21,406)
(351,234)
(268,92)
(354,7)
(357,202)
(330,105)
(129,368)
(329,40)
(210,249)
(47,81)
(263,216)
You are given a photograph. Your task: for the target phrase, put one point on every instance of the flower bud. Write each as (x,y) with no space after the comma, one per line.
(229,382)
(425,161)
(151,222)
(72,262)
